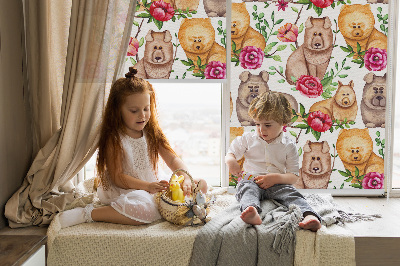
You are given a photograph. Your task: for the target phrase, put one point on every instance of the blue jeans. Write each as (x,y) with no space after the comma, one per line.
(250,194)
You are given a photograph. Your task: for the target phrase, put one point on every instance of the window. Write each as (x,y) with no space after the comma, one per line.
(190,116)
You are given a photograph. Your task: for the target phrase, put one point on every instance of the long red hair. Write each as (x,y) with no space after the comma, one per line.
(113,126)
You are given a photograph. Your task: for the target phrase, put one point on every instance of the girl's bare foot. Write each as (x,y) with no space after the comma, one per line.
(250,216)
(310,222)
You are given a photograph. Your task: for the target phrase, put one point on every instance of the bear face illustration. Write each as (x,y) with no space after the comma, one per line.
(251,86)
(316,166)
(355,149)
(374,93)
(345,95)
(318,34)
(196,35)
(354,146)
(356,22)
(316,158)
(158,48)
(373,103)
(240,20)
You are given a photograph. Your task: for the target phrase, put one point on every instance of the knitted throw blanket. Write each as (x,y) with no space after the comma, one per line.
(227,240)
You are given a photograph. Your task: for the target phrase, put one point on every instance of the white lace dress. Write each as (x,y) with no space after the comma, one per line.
(138,205)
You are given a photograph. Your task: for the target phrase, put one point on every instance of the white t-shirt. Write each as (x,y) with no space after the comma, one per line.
(262,157)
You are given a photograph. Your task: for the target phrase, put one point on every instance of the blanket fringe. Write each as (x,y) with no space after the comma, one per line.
(355,217)
(288,225)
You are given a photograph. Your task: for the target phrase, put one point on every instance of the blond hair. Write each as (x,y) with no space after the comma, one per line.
(271,105)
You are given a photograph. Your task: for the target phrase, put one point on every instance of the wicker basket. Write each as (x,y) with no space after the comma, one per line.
(176,212)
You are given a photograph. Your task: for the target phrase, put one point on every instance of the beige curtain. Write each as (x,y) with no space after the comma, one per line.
(46,37)
(98,39)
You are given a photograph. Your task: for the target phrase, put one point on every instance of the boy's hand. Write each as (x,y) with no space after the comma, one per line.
(234,169)
(154,187)
(266,181)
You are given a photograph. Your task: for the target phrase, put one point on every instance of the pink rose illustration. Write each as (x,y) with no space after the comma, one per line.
(322,3)
(309,86)
(133,47)
(375,59)
(319,121)
(215,70)
(251,57)
(161,11)
(288,33)
(373,180)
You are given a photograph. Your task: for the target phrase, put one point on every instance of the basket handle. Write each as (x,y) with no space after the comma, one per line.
(186,172)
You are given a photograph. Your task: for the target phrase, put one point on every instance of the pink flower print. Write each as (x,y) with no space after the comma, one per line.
(161,11)
(288,33)
(319,121)
(282,5)
(251,57)
(215,70)
(309,86)
(284,128)
(322,3)
(375,59)
(373,180)
(133,47)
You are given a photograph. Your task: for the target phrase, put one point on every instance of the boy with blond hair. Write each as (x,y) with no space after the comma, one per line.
(271,163)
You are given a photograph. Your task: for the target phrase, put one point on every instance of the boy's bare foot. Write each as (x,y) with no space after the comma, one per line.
(310,222)
(250,216)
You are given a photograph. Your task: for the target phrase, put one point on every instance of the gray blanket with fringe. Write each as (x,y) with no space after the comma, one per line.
(227,240)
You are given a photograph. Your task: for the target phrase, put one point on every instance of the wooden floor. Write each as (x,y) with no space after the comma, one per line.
(377,242)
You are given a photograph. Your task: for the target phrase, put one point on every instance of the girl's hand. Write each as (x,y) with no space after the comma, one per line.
(157,186)
(187,186)
(266,181)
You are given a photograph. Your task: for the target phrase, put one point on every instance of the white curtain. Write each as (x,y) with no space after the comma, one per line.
(98,38)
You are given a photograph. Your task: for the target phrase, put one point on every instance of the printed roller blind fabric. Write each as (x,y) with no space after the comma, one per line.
(179,39)
(328,57)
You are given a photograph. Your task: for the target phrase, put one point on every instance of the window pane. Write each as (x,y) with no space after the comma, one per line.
(90,166)
(190,116)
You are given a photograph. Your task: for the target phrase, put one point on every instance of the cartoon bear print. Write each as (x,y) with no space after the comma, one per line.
(241,32)
(249,88)
(316,166)
(313,56)
(343,105)
(215,8)
(373,103)
(235,132)
(378,1)
(355,149)
(182,4)
(158,56)
(357,25)
(286,1)
(197,38)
